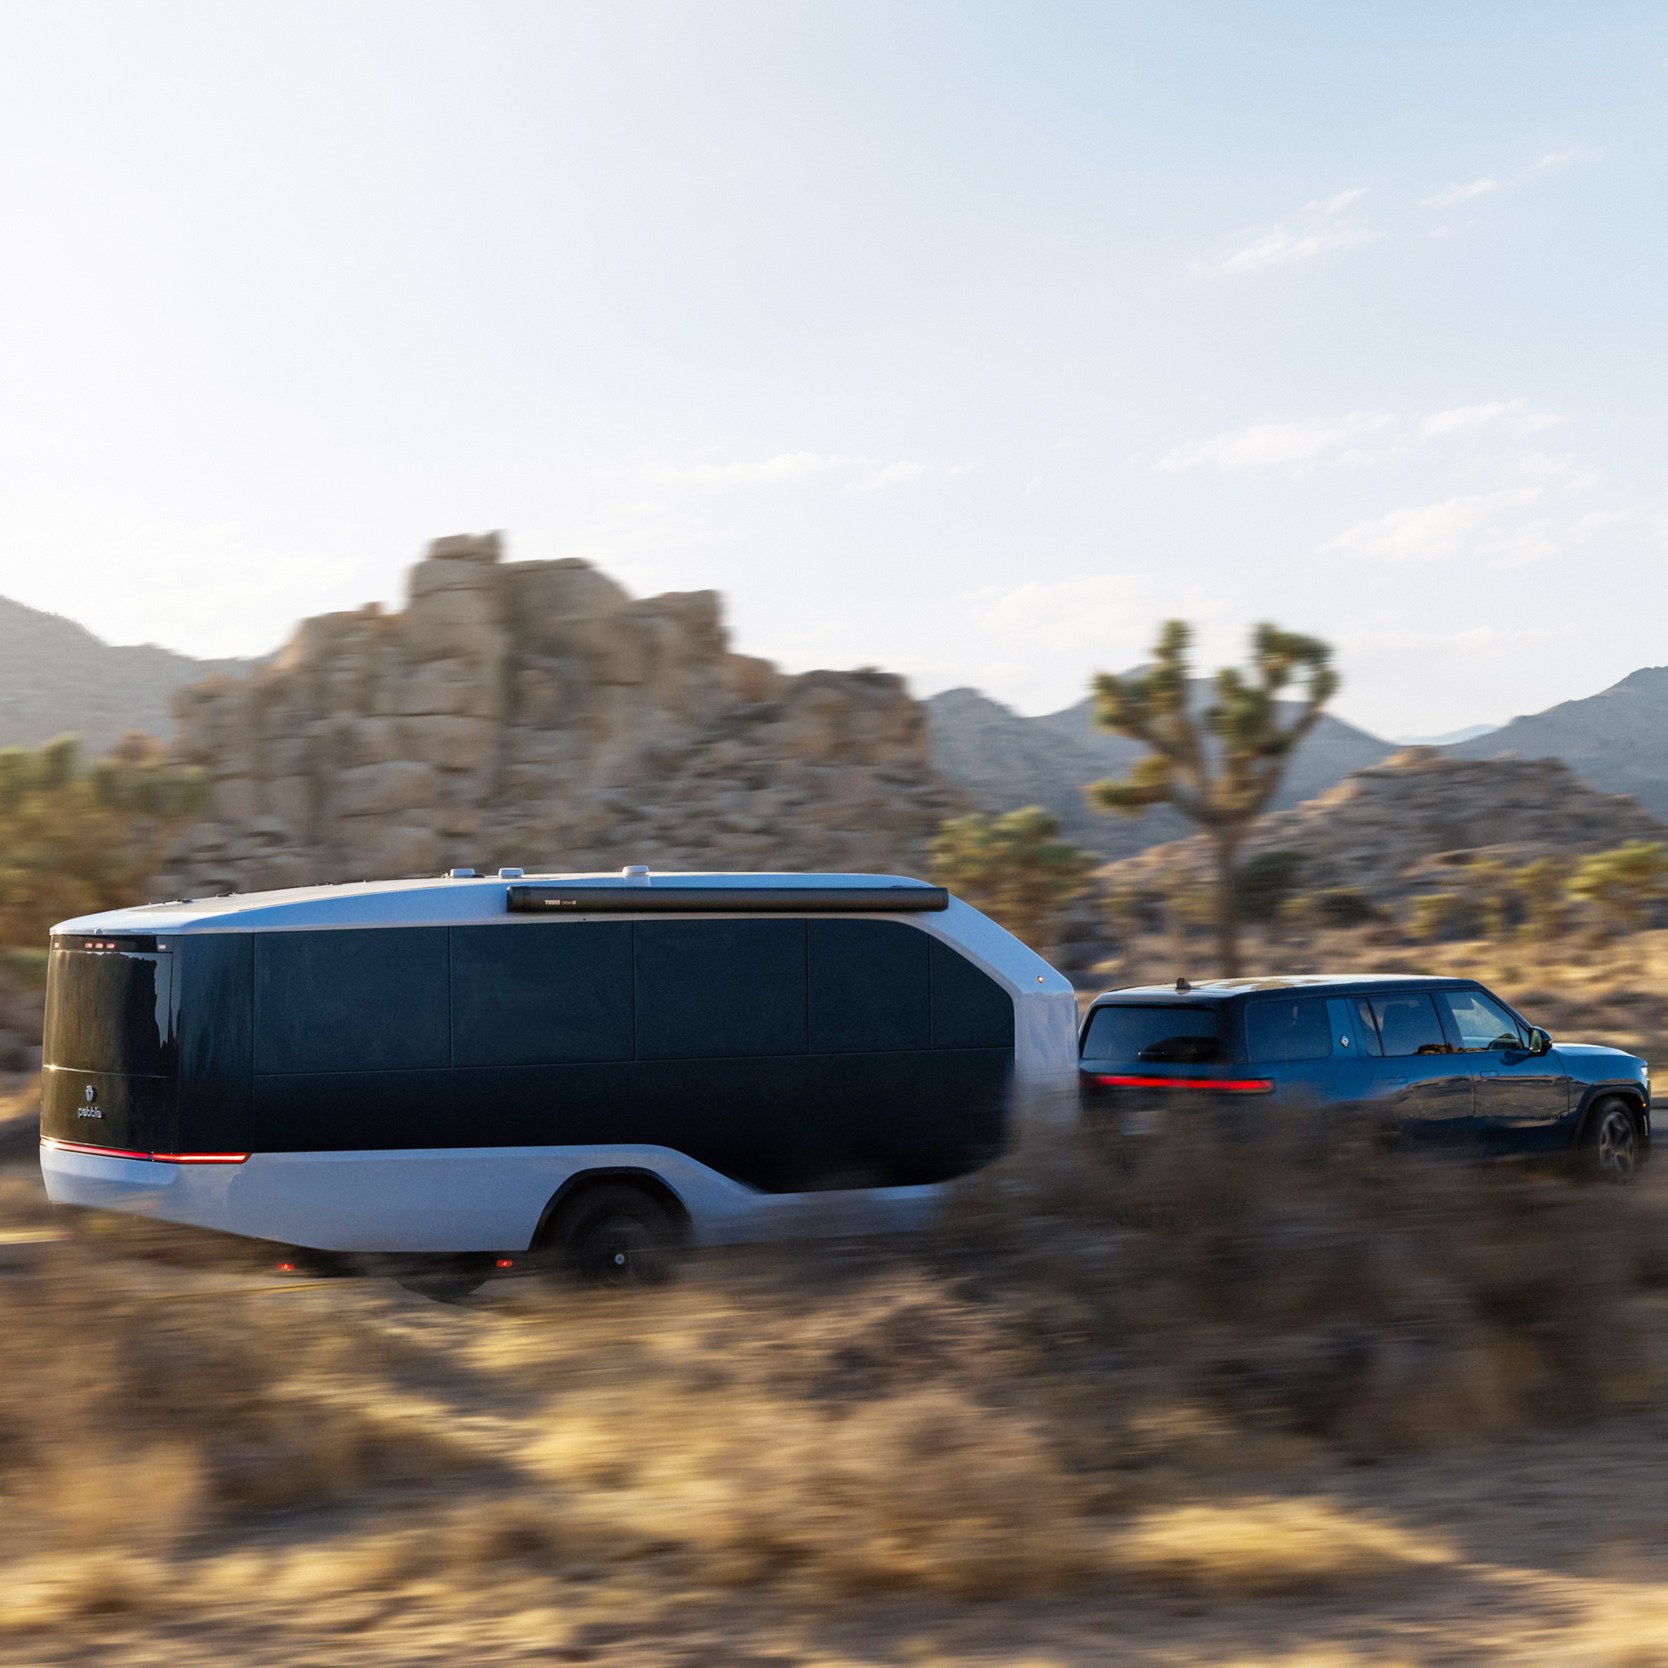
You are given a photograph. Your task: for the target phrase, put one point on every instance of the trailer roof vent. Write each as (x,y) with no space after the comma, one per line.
(460,874)
(511,874)
(634,870)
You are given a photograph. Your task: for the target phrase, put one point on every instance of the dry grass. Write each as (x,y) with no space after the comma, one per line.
(1297,1283)
(1111,1372)
(1256,1547)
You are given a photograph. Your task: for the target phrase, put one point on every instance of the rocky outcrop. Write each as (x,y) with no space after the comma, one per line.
(535,714)
(1393,829)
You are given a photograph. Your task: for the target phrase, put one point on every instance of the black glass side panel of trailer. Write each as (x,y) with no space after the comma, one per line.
(787,1054)
(110,1048)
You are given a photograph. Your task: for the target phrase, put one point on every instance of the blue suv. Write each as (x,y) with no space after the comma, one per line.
(1438,1061)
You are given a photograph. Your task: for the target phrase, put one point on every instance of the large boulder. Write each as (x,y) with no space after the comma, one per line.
(537,714)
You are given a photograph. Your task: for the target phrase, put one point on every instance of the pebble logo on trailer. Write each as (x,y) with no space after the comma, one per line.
(89,1110)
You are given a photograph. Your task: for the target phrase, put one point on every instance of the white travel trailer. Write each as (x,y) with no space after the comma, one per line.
(596,1066)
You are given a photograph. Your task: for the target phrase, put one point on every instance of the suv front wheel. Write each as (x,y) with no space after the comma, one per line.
(1613,1148)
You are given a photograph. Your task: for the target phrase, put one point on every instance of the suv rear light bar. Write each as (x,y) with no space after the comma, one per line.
(52,1142)
(1221,1085)
(650,899)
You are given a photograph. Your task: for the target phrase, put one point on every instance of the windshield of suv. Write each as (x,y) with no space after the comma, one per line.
(1482,1023)
(1124,1033)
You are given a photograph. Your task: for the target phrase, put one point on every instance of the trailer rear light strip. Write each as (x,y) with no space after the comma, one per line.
(158,1158)
(1222,1085)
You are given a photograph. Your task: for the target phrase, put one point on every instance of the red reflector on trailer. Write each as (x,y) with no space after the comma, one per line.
(505,1262)
(286,1268)
(53,1142)
(1223,1085)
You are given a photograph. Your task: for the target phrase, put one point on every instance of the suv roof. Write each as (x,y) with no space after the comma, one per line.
(1222,989)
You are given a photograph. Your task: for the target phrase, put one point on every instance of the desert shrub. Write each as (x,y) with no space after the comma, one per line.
(196,1408)
(1623,885)
(75,838)
(926,1488)
(1543,890)
(1014,867)
(1346,906)
(1292,1277)
(1266,881)
(1439,915)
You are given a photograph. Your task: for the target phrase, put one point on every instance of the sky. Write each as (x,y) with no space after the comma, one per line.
(967,339)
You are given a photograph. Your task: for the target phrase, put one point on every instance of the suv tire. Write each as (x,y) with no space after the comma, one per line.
(1611,1149)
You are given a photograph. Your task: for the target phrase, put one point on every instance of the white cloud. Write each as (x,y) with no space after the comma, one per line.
(887,475)
(785,466)
(1526,521)
(861,474)
(1318,231)
(1563,159)
(1095,620)
(1455,194)
(1422,532)
(1462,418)
(1355,438)
(1297,445)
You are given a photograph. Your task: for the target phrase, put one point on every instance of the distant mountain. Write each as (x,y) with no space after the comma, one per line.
(1617,740)
(1448,738)
(57,677)
(1006,760)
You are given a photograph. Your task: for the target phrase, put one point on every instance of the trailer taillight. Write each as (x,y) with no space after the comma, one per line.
(56,1145)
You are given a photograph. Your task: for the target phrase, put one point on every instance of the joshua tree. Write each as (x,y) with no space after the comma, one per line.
(1222,766)
(1015,867)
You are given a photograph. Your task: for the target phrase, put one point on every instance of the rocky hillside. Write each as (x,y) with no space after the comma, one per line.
(1004,759)
(57,677)
(534,714)
(1617,739)
(1391,830)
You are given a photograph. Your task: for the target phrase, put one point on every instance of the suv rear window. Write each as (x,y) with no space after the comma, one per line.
(1170,1034)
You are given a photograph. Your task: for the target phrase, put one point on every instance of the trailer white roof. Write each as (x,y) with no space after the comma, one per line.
(435,900)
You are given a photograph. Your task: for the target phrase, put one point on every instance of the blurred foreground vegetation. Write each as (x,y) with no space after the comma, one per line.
(1124,1386)
(79,835)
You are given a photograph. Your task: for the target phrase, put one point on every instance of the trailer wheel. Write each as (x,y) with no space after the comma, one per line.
(615,1235)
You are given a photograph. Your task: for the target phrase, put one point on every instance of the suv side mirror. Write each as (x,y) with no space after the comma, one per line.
(1539,1041)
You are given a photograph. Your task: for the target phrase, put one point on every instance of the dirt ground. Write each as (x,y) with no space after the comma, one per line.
(646,1478)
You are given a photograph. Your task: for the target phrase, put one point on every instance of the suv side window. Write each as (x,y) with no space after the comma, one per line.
(1408,1025)
(1296,1029)
(1482,1024)
(1367,1026)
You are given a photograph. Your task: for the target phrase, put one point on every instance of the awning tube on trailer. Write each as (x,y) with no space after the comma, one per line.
(725,900)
